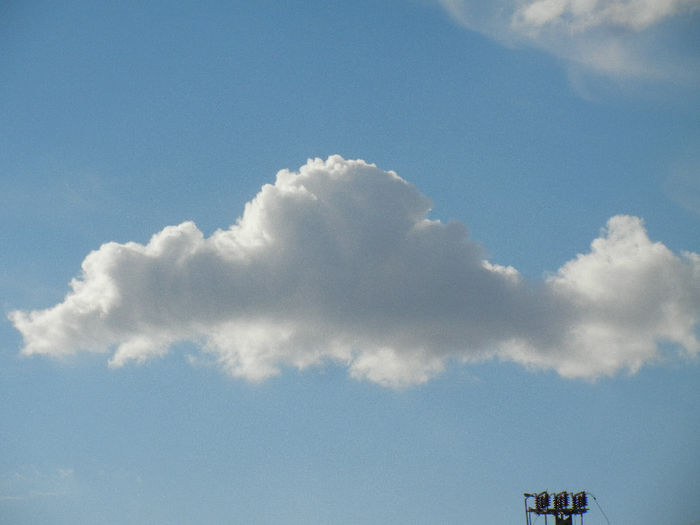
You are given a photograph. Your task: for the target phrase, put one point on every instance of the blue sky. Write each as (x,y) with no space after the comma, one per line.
(502,298)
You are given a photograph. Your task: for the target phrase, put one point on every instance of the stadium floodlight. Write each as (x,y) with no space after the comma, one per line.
(557,506)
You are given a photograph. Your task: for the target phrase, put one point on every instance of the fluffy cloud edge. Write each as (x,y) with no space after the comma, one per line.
(609,38)
(339,263)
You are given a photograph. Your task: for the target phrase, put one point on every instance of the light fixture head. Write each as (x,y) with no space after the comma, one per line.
(542,501)
(561,500)
(580,500)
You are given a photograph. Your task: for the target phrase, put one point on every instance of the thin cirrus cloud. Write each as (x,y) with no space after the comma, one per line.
(339,263)
(614,38)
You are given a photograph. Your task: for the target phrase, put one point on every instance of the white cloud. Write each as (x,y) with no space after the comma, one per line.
(627,296)
(620,38)
(581,15)
(340,263)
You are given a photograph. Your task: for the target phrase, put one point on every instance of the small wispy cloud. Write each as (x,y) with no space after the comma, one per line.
(339,263)
(683,185)
(30,483)
(582,15)
(616,38)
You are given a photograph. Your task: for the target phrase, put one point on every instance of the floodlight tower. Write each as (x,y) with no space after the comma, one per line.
(560,509)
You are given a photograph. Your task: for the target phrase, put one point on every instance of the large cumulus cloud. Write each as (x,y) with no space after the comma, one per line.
(340,263)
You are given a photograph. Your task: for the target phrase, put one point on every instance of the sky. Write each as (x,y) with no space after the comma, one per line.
(349,262)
